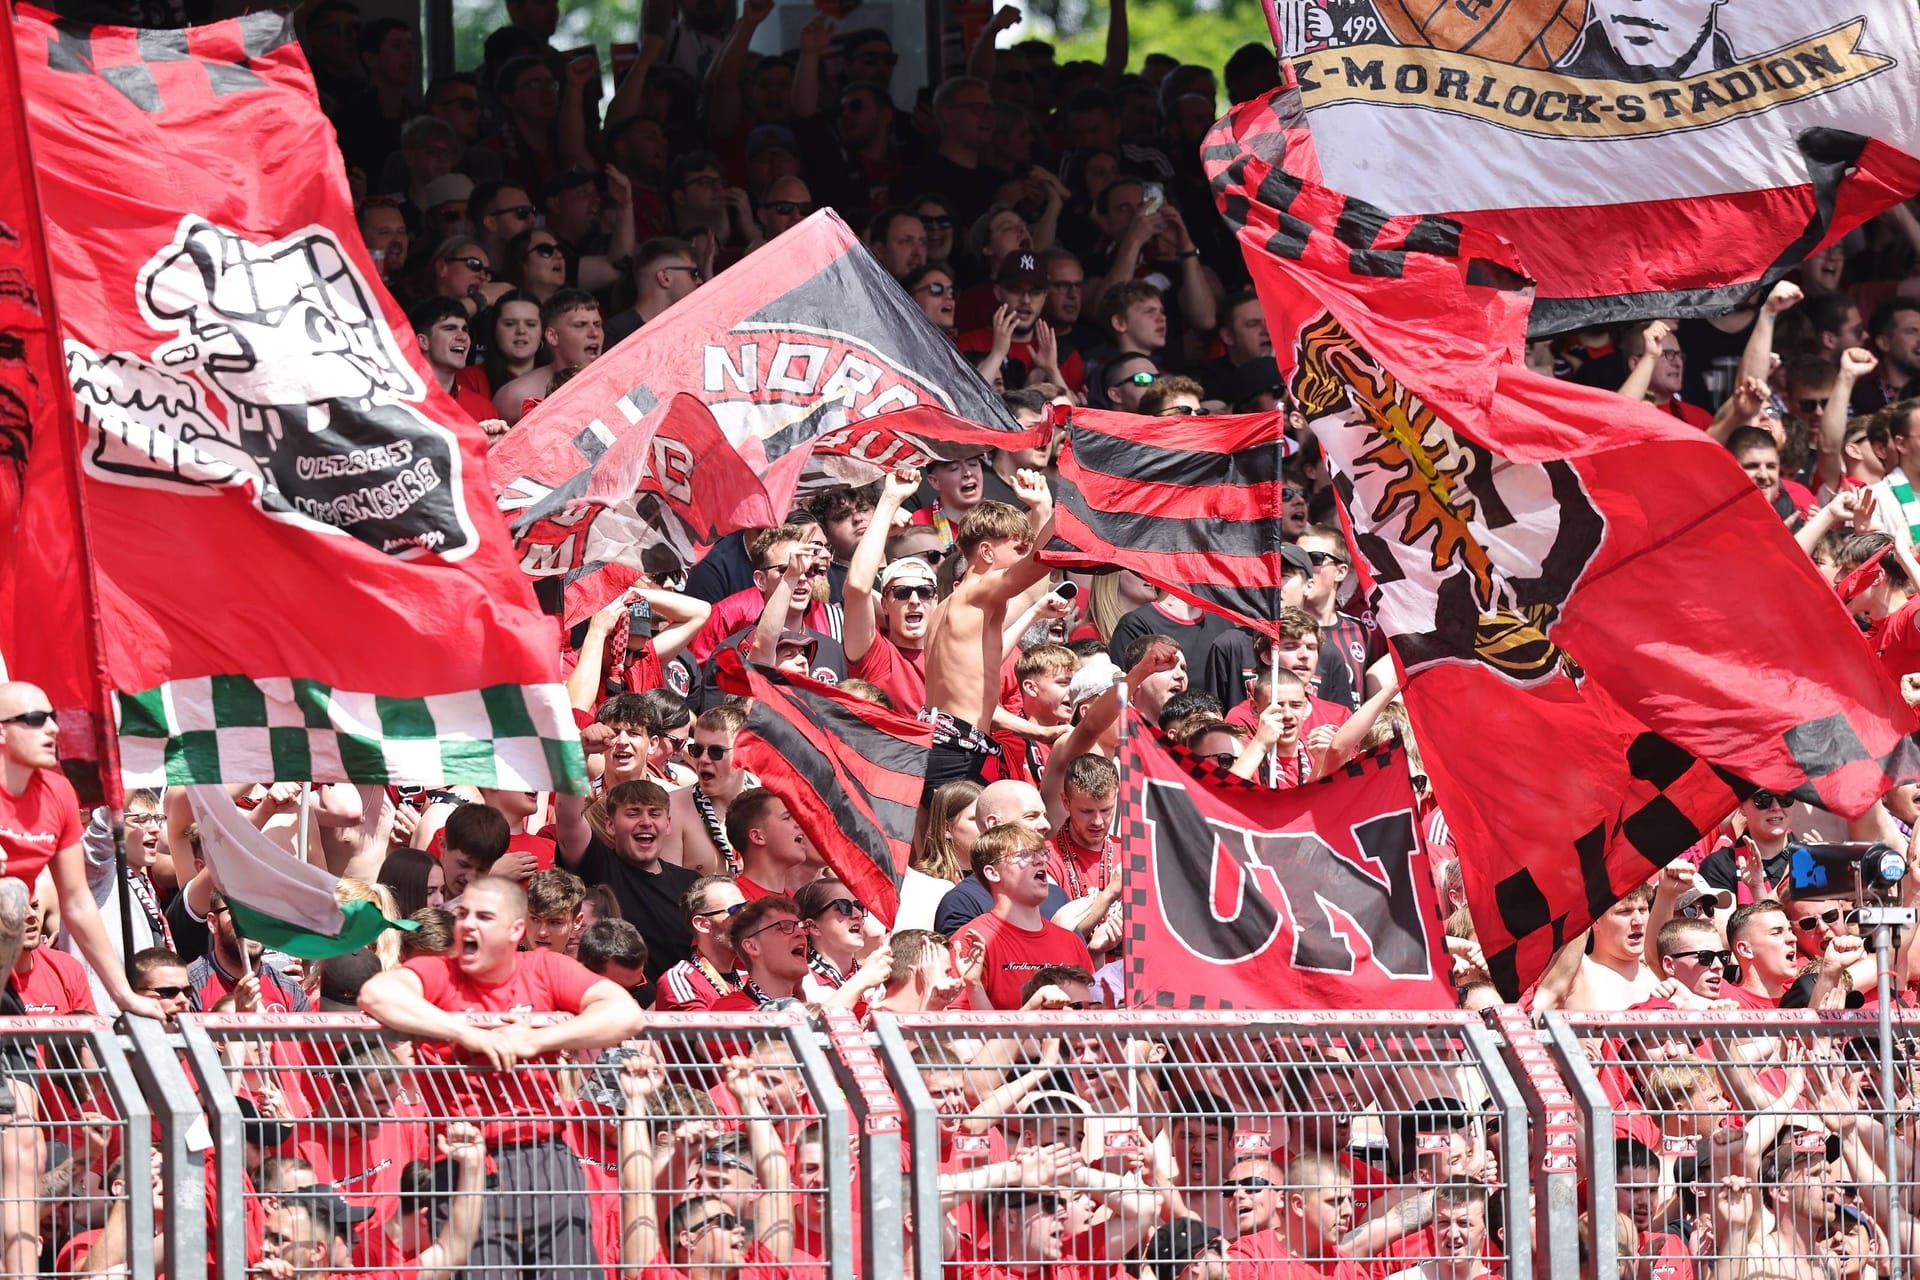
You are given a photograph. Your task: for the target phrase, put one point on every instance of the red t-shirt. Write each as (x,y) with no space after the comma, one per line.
(1691,414)
(975,343)
(901,673)
(752,890)
(1264,1256)
(1015,954)
(1246,716)
(363,1159)
(471,394)
(37,823)
(541,982)
(1896,638)
(51,982)
(1745,998)
(686,986)
(739,611)
(375,1255)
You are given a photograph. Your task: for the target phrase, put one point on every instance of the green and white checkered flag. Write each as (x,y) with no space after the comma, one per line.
(228,729)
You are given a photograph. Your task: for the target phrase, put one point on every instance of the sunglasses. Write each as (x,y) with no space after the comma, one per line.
(1321,557)
(711,751)
(1250,1184)
(787,208)
(1182,411)
(517,210)
(1832,915)
(1141,379)
(674,745)
(168,993)
(31,719)
(1706,957)
(785,928)
(699,273)
(1291,493)
(733,910)
(1224,759)
(725,1160)
(847,907)
(474,265)
(922,592)
(937,288)
(1033,858)
(544,250)
(931,556)
(724,1221)
(143,819)
(934,223)
(1767,800)
(1810,405)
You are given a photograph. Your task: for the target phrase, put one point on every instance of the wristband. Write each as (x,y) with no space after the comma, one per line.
(1191,253)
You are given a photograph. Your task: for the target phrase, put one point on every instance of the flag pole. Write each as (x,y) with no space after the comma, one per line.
(117,822)
(1273,700)
(1127,956)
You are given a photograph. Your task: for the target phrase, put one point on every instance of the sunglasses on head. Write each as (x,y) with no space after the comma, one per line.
(1706,957)
(31,719)
(919,591)
(711,751)
(1768,800)
(1832,915)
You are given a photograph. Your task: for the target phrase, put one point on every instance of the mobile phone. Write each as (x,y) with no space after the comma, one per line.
(1153,198)
(1066,591)
(640,617)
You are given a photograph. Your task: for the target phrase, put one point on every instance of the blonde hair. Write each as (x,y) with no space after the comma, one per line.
(387,945)
(1105,608)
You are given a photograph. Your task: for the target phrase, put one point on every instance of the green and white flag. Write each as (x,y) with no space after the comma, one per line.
(277,899)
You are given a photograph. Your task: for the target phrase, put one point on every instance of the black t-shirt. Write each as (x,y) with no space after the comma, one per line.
(970,192)
(189,931)
(649,900)
(1721,871)
(1194,638)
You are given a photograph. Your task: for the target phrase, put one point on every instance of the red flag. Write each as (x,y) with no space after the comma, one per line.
(1566,578)
(649,497)
(1193,506)
(816,366)
(850,771)
(302,572)
(1628,128)
(1240,897)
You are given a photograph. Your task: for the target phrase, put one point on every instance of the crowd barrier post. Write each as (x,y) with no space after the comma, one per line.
(876,1118)
(184,1143)
(1549,1147)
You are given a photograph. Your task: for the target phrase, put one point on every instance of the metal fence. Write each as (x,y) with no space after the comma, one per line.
(1119,1146)
(713,1143)
(81,1173)
(1114,1142)
(1748,1145)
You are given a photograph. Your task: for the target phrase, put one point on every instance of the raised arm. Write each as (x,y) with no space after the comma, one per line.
(814,38)
(584,689)
(980,58)
(597,271)
(861,626)
(639,1213)
(773,614)
(725,110)
(573,112)
(1756,359)
(631,91)
(1114,64)
(685,616)
(1855,364)
(1031,488)
(463,1144)
(773,1211)
(1640,377)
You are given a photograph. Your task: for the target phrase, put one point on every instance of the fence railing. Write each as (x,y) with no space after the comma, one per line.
(1163,1146)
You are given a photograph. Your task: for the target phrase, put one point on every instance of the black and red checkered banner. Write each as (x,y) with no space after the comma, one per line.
(1241,897)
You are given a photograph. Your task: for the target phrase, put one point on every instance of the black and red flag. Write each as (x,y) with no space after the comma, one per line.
(817,369)
(850,770)
(1606,636)
(1241,897)
(1192,505)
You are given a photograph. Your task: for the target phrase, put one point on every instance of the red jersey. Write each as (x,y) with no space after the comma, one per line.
(691,984)
(901,673)
(363,1159)
(1015,954)
(1896,639)
(1691,414)
(978,342)
(752,890)
(1746,999)
(741,610)
(541,982)
(37,823)
(51,982)
(1079,871)
(1264,1256)
(1246,716)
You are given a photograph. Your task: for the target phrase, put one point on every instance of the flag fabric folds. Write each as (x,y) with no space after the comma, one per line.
(817,368)
(1602,138)
(1606,635)
(1241,897)
(277,899)
(302,573)
(1191,505)
(851,772)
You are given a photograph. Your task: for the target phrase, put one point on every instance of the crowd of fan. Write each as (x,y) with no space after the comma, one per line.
(1054,220)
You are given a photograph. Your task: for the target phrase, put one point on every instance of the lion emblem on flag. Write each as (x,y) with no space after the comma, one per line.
(1471,556)
(283,380)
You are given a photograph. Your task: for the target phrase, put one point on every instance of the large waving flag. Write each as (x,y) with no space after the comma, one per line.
(1241,897)
(850,771)
(817,368)
(1645,157)
(1605,634)
(301,571)
(1190,504)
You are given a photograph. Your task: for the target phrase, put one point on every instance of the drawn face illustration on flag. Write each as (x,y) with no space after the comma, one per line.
(281,380)
(1472,556)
